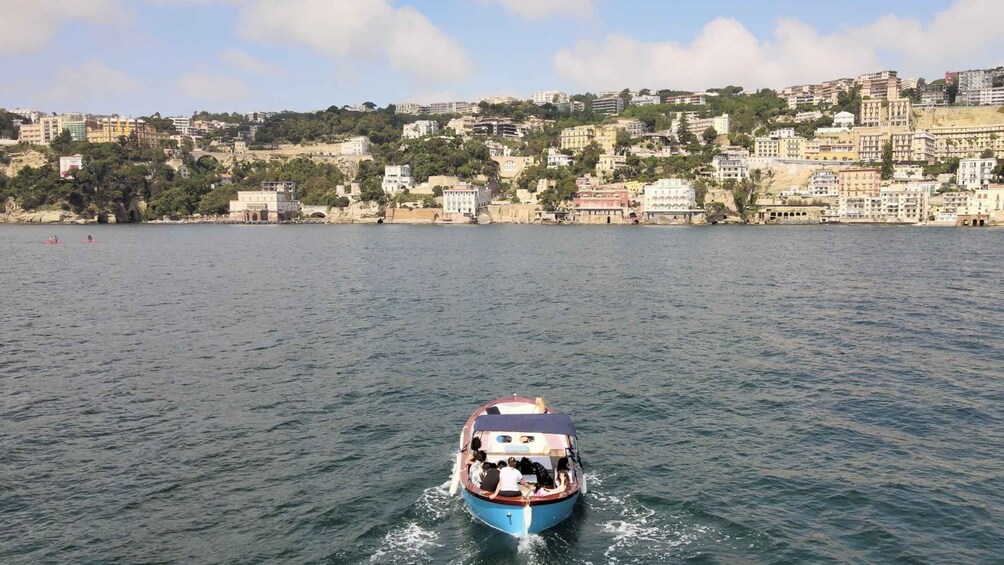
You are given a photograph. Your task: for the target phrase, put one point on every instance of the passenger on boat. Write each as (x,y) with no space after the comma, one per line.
(511,482)
(540,407)
(490,480)
(561,479)
(476,471)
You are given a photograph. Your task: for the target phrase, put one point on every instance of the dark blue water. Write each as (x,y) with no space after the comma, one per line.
(238,394)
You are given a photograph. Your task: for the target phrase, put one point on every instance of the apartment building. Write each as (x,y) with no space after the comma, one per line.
(968,141)
(549,97)
(975,173)
(421,128)
(880,85)
(671,196)
(859,182)
(577,138)
(396,178)
(609,105)
(923,147)
(359,145)
(823,183)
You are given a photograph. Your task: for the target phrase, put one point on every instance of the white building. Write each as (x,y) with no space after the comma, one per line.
(669,196)
(823,183)
(69,164)
(635,128)
(905,205)
(975,173)
(988,201)
(466,200)
(843,120)
(421,128)
(276,201)
(556,159)
(645,100)
(549,97)
(464,125)
(182,124)
(730,167)
(409,108)
(698,126)
(860,209)
(396,178)
(359,145)
(610,162)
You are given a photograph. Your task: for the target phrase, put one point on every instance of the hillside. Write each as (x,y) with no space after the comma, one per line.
(959,116)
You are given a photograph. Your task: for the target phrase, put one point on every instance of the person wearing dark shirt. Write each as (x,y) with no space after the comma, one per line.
(490,480)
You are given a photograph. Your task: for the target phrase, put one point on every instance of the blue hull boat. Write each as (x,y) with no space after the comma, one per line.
(526,431)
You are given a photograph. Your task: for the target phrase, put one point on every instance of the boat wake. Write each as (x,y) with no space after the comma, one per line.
(410,543)
(639,533)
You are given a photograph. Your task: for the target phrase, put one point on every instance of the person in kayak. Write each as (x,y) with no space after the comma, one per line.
(90,239)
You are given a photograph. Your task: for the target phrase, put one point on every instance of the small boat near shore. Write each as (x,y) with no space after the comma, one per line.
(536,436)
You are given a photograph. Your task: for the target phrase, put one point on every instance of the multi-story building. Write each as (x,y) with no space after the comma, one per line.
(549,97)
(499,128)
(462,125)
(870,146)
(902,146)
(112,129)
(452,108)
(557,159)
(823,183)
(871,113)
(410,108)
(609,105)
(859,182)
(600,204)
(610,162)
(989,96)
(577,138)
(975,173)
(843,120)
(42,132)
(808,116)
(904,204)
(182,124)
(923,147)
(645,100)
(672,196)
(880,85)
(931,96)
(780,146)
(421,128)
(636,128)
(693,99)
(359,145)
(30,133)
(466,200)
(698,126)
(987,201)
(730,167)
(276,201)
(860,208)
(968,141)
(900,112)
(498,100)
(396,178)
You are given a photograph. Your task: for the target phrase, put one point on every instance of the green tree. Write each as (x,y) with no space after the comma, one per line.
(887,164)
(709,135)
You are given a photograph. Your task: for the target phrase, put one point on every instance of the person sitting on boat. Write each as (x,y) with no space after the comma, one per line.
(511,482)
(490,479)
(561,479)
(539,406)
(476,471)
(475,446)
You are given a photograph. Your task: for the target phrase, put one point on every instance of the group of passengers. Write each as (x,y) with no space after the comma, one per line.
(506,479)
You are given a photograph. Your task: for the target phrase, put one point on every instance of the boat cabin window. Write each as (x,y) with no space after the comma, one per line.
(503,439)
(526,439)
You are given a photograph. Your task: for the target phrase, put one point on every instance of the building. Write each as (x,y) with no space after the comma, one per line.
(462,125)
(880,85)
(594,205)
(693,99)
(808,116)
(859,182)
(968,141)
(556,159)
(900,112)
(823,183)
(635,128)
(511,167)
(69,164)
(780,145)
(452,108)
(256,117)
(112,129)
(410,109)
(933,96)
(698,126)
(905,204)
(549,97)
(275,202)
(421,128)
(182,124)
(730,167)
(870,146)
(42,132)
(843,120)
(860,209)
(465,200)
(673,197)
(871,113)
(396,178)
(495,100)
(577,138)
(30,133)
(987,201)
(609,105)
(611,162)
(975,173)
(645,100)
(982,97)
(359,145)
(923,147)
(499,128)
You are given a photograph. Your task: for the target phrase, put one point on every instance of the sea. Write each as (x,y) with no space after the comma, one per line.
(294,394)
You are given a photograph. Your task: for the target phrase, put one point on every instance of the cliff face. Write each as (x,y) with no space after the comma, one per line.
(30,158)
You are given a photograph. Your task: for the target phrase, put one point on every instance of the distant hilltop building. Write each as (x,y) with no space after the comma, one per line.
(275,202)
(549,97)
(609,105)
(421,128)
(359,145)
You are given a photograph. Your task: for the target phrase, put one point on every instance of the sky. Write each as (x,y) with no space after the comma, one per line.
(137,57)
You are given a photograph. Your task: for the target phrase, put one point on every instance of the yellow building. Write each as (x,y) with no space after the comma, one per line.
(968,141)
(111,130)
(577,138)
(858,182)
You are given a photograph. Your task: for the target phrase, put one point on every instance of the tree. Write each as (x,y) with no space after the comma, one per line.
(887,165)
(683,134)
(623,140)
(62,144)
(709,135)
(371,190)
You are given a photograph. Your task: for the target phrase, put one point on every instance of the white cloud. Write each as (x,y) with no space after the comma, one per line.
(366,29)
(29,25)
(88,86)
(212,87)
(246,62)
(541,9)
(725,52)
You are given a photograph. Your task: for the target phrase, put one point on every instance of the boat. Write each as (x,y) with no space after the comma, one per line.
(521,428)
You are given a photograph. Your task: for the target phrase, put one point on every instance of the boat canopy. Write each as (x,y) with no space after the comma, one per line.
(541,423)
